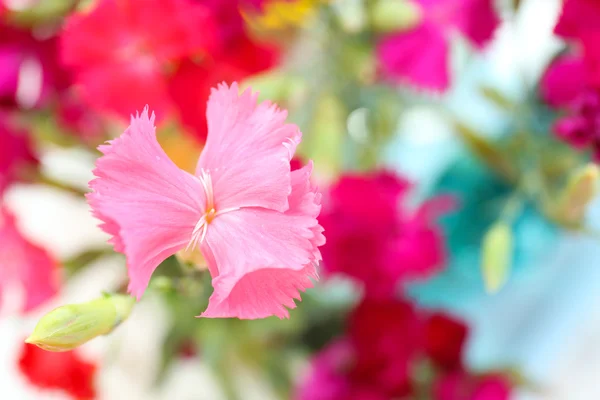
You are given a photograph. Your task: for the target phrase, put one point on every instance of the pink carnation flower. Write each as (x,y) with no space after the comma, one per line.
(421,55)
(373,240)
(251,217)
(24,265)
(121,51)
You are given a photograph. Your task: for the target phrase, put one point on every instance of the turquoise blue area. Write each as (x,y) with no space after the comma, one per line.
(482,197)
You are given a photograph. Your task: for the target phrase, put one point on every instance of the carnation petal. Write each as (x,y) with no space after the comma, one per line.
(145,201)
(265,258)
(248,150)
(262,293)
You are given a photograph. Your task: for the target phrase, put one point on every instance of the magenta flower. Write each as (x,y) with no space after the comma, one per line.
(578,18)
(569,85)
(420,56)
(373,240)
(30,73)
(24,265)
(121,51)
(16,154)
(251,217)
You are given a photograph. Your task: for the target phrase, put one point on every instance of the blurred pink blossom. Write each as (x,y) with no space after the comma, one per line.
(25,266)
(373,239)
(421,55)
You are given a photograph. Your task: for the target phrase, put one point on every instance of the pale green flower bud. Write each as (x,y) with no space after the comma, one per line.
(70,326)
(497,255)
(579,192)
(395,15)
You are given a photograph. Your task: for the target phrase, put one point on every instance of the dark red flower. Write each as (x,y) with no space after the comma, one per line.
(387,336)
(386,344)
(444,340)
(459,385)
(64,371)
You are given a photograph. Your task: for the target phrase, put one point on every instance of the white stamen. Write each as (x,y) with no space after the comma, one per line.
(201,228)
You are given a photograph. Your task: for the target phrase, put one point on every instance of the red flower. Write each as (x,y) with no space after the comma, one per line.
(121,51)
(242,59)
(371,239)
(234,58)
(64,371)
(126,55)
(444,340)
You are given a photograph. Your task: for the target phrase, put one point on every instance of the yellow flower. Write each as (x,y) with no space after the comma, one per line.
(283,14)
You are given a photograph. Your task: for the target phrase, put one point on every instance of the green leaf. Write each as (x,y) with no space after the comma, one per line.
(489,153)
(497,98)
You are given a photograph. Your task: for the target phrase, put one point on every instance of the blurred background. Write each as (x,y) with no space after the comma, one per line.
(455,143)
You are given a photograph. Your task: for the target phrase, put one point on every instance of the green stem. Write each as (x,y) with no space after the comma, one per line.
(48,181)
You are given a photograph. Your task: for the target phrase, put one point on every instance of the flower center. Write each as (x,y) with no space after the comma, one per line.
(199,232)
(210,215)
